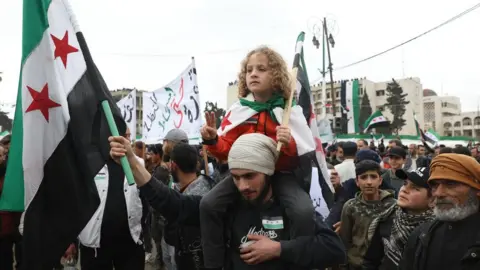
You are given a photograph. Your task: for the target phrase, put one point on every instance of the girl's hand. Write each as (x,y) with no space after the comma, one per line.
(283,135)
(209,131)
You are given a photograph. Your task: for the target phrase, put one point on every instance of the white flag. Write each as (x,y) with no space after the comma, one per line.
(128,107)
(175,105)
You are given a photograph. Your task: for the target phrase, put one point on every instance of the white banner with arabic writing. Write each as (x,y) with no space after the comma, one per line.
(176,105)
(128,107)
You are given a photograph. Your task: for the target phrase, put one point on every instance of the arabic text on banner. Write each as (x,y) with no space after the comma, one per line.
(128,107)
(177,105)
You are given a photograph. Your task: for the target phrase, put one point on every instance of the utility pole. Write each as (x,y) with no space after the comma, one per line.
(330,68)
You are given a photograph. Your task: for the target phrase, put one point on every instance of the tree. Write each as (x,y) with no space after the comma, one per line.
(5,122)
(396,104)
(219,112)
(365,111)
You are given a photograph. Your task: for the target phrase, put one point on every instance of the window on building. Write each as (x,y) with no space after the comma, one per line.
(337,94)
(457,124)
(380,93)
(476,121)
(467,133)
(328,95)
(467,121)
(457,133)
(447,125)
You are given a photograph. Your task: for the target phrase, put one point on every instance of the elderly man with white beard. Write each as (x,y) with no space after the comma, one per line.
(452,240)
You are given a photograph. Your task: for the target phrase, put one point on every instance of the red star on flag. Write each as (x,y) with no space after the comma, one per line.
(62,48)
(41,101)
(225,121)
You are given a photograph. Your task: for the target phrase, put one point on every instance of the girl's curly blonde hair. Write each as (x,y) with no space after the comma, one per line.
(281,81)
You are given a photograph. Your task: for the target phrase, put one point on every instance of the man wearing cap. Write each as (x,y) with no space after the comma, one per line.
(452,240)
(396,159)
(172,138)
(389,232)
(257,229)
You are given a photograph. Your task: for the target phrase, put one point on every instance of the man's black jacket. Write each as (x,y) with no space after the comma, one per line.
(323,250)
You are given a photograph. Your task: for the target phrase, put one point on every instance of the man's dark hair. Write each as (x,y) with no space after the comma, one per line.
(6,140)
(396,142)
(157,149)
(139,144)
(364,141)
(349,149)
(462,150)
(445,150)
(185,156)
(365,166)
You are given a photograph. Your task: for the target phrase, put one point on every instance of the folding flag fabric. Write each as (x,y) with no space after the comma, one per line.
(431,136)
(60,135)
(306,101)
(375,120)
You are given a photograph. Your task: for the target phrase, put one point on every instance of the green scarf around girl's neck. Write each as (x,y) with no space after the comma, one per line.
(275,101)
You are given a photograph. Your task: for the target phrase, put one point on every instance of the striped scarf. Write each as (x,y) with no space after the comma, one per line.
(402,227)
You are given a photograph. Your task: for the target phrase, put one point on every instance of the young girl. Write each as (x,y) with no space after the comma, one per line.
(264,86)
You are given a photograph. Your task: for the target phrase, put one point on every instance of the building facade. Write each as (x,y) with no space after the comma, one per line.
(465,124)
(437,108)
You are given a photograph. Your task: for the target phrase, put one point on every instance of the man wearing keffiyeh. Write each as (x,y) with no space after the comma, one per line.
(389,232)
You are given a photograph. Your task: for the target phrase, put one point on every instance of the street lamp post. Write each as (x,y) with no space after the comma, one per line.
(327,41)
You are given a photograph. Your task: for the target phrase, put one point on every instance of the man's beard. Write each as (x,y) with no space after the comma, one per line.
(457,212)
(261,197)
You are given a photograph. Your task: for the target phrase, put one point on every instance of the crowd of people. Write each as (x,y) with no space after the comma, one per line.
(245,206)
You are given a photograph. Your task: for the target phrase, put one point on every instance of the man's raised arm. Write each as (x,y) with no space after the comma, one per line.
(168,202)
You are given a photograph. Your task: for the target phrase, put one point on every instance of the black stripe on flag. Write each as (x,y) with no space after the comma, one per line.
(305,161)
(67,196)
(296,60)
(304,100)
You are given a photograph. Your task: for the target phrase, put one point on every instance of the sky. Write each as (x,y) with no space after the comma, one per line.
(147,43)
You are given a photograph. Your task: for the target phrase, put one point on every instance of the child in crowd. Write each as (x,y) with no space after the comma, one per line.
(264,86)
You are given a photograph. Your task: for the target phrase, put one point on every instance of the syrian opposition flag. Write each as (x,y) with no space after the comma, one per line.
(59,138)
(350,103)
(431,136)
(305,101)
(375,120)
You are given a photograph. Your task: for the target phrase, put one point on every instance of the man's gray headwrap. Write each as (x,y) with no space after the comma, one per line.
(255,152)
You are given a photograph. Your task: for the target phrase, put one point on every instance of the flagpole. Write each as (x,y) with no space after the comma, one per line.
(114,130)
(288,106)
(324,82)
